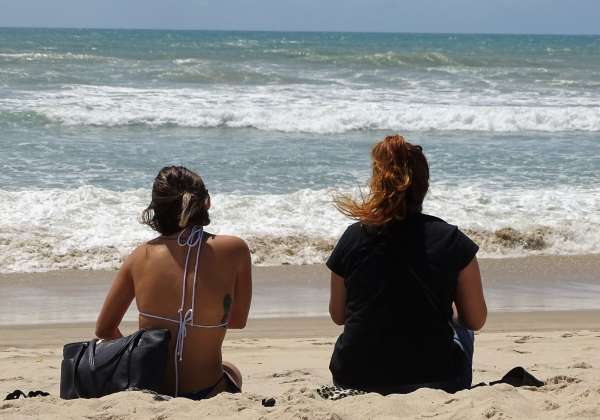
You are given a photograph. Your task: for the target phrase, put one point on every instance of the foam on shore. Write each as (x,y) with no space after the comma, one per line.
(95,228)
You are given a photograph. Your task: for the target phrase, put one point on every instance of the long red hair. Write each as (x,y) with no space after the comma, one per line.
(397,187)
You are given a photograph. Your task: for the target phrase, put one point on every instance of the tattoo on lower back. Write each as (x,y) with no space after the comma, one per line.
(226,307)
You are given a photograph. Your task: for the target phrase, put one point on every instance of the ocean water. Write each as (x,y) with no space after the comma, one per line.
(279,123)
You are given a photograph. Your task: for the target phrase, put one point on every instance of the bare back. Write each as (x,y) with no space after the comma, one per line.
(222,295)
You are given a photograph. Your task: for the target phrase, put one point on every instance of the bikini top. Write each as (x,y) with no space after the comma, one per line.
(186,319)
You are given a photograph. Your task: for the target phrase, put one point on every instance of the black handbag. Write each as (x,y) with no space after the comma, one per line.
(96,368)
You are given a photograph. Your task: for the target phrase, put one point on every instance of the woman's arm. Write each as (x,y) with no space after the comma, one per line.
(337,299)
(243,289)
(469,299)
(116,303)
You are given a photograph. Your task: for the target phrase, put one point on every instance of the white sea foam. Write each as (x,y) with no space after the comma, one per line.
(184,61)
(312,109)
(38,56)
(94,228)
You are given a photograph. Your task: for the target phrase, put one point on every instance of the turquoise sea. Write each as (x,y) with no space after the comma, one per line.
(277,123)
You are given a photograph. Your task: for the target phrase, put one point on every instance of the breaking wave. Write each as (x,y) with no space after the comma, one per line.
(303,109)
(94,228)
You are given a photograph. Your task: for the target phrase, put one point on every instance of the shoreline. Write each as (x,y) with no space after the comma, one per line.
(527,284)
(484,259)
(584,266)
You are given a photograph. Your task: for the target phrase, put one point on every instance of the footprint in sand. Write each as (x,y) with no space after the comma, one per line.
(450,401)
(493,412)
(512,350)
(288,373)
(562,379)
(580,365)
(13,378)
(293,381)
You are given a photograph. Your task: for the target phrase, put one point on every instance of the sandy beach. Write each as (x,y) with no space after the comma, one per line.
(287,356)
(287,359)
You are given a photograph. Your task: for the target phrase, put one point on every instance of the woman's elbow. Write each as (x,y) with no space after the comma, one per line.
(477,323)
(337,321)
(106,330)
(104,333)
(99,330)
(337,317)
(237,324)
(482,321)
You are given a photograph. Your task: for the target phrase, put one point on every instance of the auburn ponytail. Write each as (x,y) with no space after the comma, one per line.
(397,187)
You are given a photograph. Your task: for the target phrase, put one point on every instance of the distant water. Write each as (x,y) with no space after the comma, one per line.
(279,122)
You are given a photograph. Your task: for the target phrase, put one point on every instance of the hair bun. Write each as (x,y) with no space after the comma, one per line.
(179,199)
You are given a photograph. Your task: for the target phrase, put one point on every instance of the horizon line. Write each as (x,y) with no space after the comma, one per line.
(293,31)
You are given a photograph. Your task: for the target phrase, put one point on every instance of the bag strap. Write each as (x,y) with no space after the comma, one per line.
(80,354)
(126,346)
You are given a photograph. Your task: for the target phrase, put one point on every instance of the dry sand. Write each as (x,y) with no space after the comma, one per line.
(287,359)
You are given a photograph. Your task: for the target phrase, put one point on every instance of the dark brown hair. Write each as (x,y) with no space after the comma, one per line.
(398,185)
(179,200)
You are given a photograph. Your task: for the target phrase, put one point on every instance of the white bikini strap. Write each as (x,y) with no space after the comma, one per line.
(194,238)
(186,318)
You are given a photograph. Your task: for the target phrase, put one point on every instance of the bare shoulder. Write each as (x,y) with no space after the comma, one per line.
(230,243)
(142,252)
(137,255)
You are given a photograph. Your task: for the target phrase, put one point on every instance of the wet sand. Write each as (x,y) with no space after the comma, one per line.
(545,283)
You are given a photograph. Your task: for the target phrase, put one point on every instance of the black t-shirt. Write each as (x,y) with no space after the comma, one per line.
(393,333)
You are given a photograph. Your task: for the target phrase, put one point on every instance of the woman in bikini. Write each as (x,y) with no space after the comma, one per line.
(187,280)
(406,286)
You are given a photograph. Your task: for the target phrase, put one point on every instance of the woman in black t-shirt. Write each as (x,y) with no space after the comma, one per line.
(405,285)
